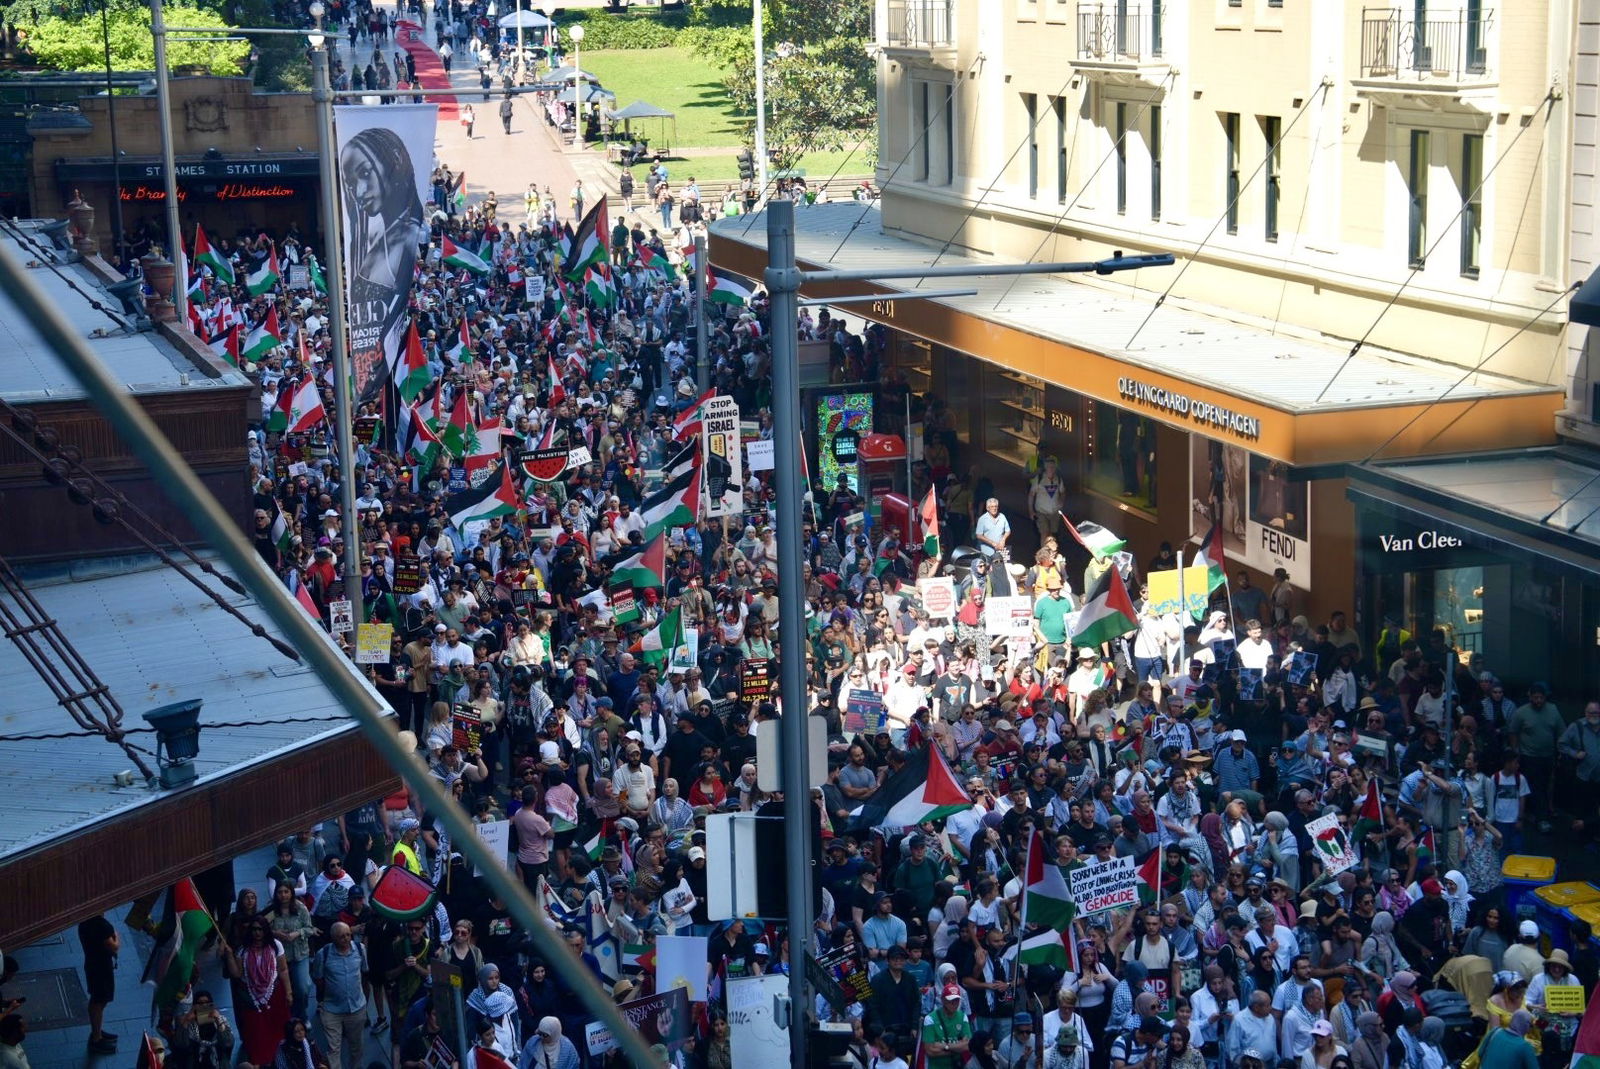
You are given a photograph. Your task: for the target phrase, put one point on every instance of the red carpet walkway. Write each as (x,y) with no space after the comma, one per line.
(430,69)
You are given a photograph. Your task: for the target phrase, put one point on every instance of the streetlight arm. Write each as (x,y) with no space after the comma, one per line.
(1076,267)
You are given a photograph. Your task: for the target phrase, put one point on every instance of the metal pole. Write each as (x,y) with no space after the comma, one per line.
(577,92)
(783,285)
(135,427)
(169,166)
(116,156)
(761,103)
(333,271)
(702,374)
(910,490)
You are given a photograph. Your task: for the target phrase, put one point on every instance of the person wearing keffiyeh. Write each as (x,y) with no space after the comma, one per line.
(493,1002)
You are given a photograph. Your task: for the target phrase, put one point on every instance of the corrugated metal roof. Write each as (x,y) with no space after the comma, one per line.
(153,639)
(144,363)
(1280,368)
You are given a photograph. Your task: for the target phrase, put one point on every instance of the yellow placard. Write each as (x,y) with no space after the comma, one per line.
(1564,998)
(372,643)
(1164,591)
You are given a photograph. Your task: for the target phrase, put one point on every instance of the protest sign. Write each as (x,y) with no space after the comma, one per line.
(341,616)
(534,287)
(938,597)
(466,727)
(844,965)
(755,680)
(685,655)
(662,1018)
(496,835)
(1565,998)
(825,984)
(1333,846)
(1010,617)
(1104,885)
(1164,598)
(372,643)
(864,712)
(681,963)
(720,457)
(578,456)
(299,276)
(761,455)
(407,575)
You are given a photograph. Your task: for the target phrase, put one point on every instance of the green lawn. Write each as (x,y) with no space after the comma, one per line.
(674,79)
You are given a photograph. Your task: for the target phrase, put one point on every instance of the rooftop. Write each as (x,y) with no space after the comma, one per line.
(1277,367)
(153,639)
(144,362)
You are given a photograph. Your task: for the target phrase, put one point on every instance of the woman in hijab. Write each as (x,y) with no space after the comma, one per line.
(1393,897)
(1511,1047)
(980,1051)
(1428,1046)
(538,996)
(1460,898)
(1379,952)
(1217,846)
(491,1001)
(297,1051)
(1509,998)
(1277,849)
(548,1048)
(1370,1048)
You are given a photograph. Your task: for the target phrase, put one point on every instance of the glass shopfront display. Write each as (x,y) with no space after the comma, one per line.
(1013,413)
(1120,455)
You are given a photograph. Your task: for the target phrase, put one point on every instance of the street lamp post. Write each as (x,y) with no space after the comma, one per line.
(576,33)
(761,102)
(333,271)
(169,167)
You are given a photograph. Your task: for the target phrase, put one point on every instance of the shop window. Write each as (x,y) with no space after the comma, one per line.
(1030,104)
(1471,203)
(1013,415)
(1120,455)
(1417,192)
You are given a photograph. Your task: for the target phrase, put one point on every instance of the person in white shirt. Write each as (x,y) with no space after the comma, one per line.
(1254,650)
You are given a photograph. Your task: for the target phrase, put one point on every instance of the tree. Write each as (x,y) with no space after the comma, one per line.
(75,43)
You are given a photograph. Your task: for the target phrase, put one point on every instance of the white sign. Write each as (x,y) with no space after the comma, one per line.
(938,597)
(757,1035)
(1104,885)
(1331,845)
(762,455)
(681,962)
(341,616)
(299,276)
(721,459)
(496,835)
(535,285)
(580,456)
(686,656)
(599,1038)
(1011,617)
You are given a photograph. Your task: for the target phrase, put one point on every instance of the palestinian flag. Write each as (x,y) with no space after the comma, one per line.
(1045,898)
(724,290)
(675,504)
(639,957)
(461,259)
(648,567)
(267,336)
(588,245)
(928,513)
(1586,1044)
(320,283)
(460,349)
(686,424)
(1150,877)
(198,292)
(1210,555)
(206,256)
(1049,947)
(923,789)
(418,442)
(599,288)
(1096,539)
(657,644)
(265,277)
(1369,818)
(1107,611)
(282,533)
(1427,849)
(302,594)
(460,429)
(413,375)
(648,259)
(496,497)
(558,392)
(227,346)
(594,847)
(194,923)
(485,447)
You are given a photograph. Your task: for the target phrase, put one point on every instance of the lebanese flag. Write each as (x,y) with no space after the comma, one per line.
(687,423)
(305,407)
(486,449)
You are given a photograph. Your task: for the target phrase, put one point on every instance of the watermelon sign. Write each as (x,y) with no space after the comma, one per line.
(401,894)
(1333,845)
(545,465)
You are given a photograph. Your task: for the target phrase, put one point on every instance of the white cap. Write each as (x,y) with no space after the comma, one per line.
(1528,930)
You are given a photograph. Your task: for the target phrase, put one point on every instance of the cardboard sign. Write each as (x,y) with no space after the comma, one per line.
(1331,845)
(864,711)
(938,597)
(535,288)
(1104,885)
(299,276)
(1565,998)
(372,643)
(720,454)
(408,575)
(578,456)
(686,655)
(1164,597)
(466,728)
(341,616)
(662,1018)
(762,455)
(755,680)
(1011,617)
(496,835)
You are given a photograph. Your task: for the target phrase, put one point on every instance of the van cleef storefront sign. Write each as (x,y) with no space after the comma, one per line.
(1203,413)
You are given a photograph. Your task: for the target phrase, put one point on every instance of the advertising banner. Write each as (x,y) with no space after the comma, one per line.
(1264,511)
(385,161)
(722,461)
(1104,885)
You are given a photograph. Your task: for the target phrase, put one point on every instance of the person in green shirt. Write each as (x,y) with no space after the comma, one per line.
(917,875)
(945,1031)
(1050,618)
(1535,730)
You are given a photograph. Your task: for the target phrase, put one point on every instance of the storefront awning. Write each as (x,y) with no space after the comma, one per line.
(1585,306)
(1281,394)
(1542,503)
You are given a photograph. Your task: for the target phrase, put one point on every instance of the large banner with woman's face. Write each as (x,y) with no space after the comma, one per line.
(385,163)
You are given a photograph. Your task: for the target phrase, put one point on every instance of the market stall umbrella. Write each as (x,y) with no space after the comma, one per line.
(528,20)
(567,74)
(641,109)
(595,94)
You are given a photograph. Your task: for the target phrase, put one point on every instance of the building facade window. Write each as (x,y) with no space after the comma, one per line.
(1121,150)
(1155,162)
(1120,455)
(921,134)
(1471,203)
(1059,106)
(947,116)
(1272,134)
(1030,105)
(1417,158)
(1230,168)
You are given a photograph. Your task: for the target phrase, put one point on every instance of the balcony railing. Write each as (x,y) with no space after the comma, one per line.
(1400,45)
(1119,32)
(920,24)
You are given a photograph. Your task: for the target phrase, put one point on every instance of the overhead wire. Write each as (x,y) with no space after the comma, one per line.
(1417,269)
(1321,90)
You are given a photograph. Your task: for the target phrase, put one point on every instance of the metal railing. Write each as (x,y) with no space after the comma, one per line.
(1401,45)
(1119,31)
(919,24)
